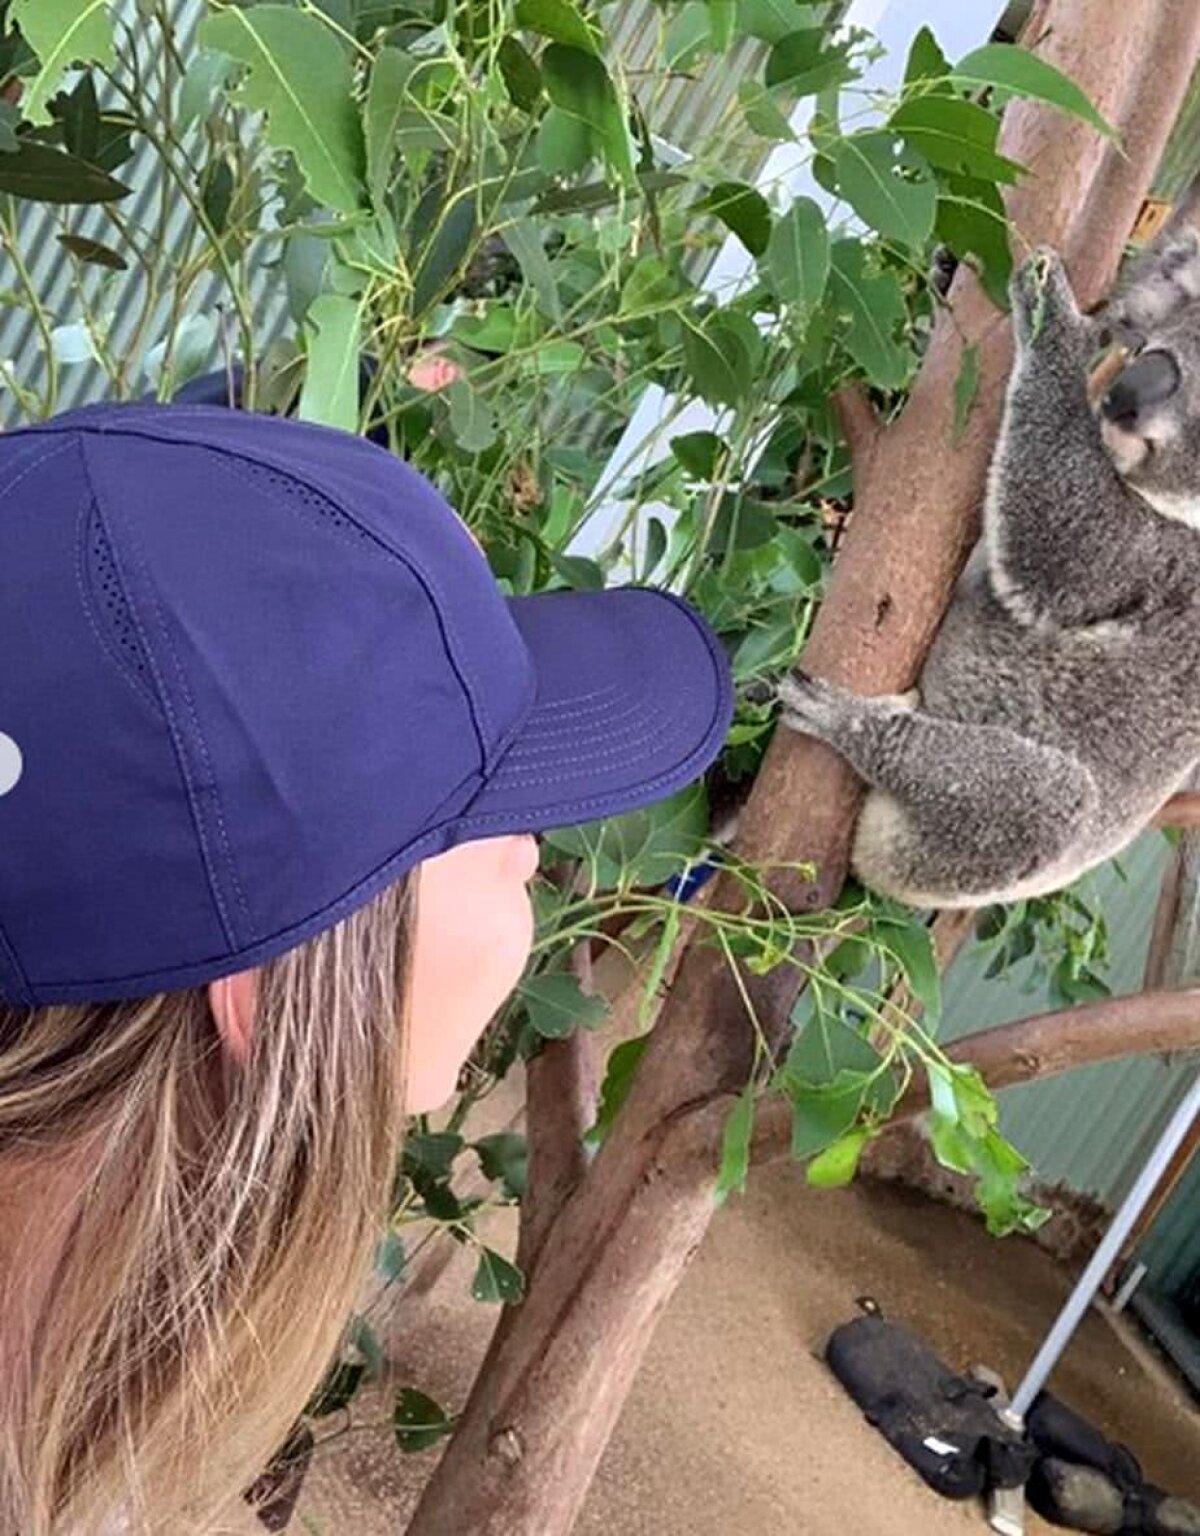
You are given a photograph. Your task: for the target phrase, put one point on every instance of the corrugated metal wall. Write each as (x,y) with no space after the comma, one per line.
(1092,1129)
(52,271)
(1171,1251)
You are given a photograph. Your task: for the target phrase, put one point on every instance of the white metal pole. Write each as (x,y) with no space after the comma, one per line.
(1106,1254)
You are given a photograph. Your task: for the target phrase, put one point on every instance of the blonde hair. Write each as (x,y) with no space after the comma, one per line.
(219,1227)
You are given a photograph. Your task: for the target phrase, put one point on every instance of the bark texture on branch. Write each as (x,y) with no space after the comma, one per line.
(545,1404)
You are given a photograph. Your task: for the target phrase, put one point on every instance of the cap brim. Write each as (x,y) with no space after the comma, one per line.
(634,701)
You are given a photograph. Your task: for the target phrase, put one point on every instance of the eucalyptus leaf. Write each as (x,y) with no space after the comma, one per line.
(216,194)
(578,83)
(688,37)
(762,114)
(440,261)
(559,20)
(926,64)
(504,1156)
(971,222)
(386,103)
(870,177)
(44,174)
(798,255)
(805,64)
(565,144)
(472,420)
(93,252)
(524,240)
(966,390)
(299,75)
(955,135)
(645,848)
(522,78)
(193,342)
(391,1260)
(743,210)
(722,20)
(79,113)
(496,1280)
(305,264)
(61,33)
(770,20)
(838,1164)
(72,343)
(699,453)
(735,1148)
(557,1005)
(823,1113)
(873,303)
(619,1073)
(418,1422)
(912,946)
(1025,74)
(721,358)
(206,76)
(331,381)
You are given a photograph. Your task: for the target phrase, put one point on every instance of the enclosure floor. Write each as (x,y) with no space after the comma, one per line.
(735,1427)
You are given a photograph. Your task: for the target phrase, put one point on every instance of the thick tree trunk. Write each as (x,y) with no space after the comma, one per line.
(545,1404)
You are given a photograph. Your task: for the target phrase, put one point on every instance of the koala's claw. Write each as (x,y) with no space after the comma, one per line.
(808,703)
(1041,296)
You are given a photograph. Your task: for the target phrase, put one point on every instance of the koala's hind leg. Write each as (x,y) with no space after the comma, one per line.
(967,812)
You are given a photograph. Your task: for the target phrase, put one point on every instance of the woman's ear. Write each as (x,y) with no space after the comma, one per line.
(234,1003)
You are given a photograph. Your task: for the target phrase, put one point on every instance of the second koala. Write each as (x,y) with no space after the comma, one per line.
(1060,704)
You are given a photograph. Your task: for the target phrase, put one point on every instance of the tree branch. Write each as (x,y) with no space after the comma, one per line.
(1182,810)
(1144,1024)
(859,422)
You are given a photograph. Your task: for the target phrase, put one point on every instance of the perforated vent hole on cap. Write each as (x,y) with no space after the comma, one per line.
(111,607)
(289,489)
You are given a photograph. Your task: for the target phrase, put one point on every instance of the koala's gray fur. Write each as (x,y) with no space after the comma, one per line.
(1060,704)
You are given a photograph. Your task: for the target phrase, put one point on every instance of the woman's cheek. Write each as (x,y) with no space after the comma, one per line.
(473,943)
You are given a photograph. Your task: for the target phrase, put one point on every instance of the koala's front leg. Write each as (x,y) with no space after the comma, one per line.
(1053,514)
(973,810)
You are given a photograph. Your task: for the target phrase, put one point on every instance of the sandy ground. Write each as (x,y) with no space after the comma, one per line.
(735,1426)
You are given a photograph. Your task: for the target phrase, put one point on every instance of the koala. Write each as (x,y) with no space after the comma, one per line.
(1060,704)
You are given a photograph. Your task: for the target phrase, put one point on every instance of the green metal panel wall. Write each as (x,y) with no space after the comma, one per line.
(52,272)
(1092,1129)
(1172,1247)
(1087,1128)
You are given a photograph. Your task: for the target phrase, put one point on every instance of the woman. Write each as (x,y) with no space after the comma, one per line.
(271,748)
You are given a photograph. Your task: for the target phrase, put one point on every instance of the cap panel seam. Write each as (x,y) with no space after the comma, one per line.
(27,469)
(434,593)
(226,458)
(175,726)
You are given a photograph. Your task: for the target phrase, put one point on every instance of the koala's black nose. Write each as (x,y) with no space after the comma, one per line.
(1148,380)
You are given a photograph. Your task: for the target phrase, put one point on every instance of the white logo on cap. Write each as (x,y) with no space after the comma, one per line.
(11,764)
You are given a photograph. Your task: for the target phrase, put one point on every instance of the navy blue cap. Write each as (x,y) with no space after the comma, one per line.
(251,671)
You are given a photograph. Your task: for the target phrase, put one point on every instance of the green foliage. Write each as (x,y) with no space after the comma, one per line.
(419,1422)
(60,33)
(299,75)
(1058,943)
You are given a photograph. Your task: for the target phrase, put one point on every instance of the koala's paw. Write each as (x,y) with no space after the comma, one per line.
(1042,301)
(811,705)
